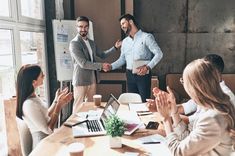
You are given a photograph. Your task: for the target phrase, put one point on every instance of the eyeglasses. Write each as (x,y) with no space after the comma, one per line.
(181,80)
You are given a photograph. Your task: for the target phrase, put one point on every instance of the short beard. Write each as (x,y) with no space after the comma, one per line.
(128,30)
(83,34)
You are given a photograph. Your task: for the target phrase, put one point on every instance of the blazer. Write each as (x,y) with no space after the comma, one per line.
(209,136)
(83,72)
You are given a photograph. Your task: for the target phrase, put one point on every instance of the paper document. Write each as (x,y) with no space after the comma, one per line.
(131,120)
(91,114)
(152,138)
(138,63)
(154,144)
(138,107)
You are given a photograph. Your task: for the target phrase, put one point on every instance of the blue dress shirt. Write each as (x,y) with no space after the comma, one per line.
(142,47)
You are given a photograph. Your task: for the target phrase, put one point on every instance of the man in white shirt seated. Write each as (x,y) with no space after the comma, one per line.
(190,106)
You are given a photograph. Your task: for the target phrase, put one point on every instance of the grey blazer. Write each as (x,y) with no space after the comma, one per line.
(83,67)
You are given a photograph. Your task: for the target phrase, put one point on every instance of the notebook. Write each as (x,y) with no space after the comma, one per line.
(96,127)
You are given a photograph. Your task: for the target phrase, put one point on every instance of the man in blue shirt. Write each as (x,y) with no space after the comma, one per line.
(138,46)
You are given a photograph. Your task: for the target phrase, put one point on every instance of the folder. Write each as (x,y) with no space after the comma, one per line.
(138,63)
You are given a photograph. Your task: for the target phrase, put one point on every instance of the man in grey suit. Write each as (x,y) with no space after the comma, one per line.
(83,52)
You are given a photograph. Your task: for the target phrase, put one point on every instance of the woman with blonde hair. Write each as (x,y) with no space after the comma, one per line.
(213,130)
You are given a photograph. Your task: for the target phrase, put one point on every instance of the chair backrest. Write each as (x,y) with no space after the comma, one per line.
(173,81)
(25,137)
(229,81)
(126,98)
(13,139)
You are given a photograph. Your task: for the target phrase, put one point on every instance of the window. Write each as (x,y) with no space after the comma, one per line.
(4,8)
(7,87)
(22,41)
(32,52)
(32,9)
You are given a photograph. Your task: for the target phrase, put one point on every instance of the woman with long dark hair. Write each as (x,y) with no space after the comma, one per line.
(40,119)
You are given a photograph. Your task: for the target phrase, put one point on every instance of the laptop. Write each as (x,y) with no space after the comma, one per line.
(97,126)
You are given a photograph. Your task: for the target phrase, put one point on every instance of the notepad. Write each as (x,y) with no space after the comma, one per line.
(131,120)
(152,138)
(138,107)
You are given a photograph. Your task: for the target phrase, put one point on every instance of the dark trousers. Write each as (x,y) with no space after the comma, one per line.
(139,84)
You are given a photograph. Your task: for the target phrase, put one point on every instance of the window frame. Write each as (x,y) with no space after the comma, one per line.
(16,23)
(29,20)
(12,12)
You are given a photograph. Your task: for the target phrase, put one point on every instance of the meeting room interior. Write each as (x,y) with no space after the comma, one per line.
(74,82)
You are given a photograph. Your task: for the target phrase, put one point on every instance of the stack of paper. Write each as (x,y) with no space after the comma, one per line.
(139,63)
(138,107)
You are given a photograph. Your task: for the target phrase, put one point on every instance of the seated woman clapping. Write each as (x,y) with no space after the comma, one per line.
(40,119)
(213,127)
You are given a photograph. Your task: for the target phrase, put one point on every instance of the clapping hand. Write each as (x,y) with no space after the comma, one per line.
(162,104)
(165,101)
(172,100)
(63,97)
(151,104)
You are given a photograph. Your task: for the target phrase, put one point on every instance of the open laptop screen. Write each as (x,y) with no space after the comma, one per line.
(110,108)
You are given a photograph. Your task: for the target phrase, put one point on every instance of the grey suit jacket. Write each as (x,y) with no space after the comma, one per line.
(83,73)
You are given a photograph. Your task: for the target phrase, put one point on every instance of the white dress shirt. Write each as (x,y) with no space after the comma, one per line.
(190,106)
(142,47)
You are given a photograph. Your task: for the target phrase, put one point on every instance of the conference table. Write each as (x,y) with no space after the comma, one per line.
(56,143)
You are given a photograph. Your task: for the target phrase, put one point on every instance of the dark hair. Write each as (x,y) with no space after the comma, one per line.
(24,85)
(128,17)
(82,18)
(216,61)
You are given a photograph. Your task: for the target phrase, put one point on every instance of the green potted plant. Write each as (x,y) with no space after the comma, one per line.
(115,129)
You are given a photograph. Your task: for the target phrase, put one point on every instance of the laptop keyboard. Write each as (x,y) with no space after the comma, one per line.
(93,126)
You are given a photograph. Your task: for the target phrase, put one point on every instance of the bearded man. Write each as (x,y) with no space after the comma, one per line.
(83,52)
(137,48)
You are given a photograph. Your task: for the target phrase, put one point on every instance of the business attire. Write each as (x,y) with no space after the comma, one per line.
(209,136)
(142,47)
(35,115)
(85,73)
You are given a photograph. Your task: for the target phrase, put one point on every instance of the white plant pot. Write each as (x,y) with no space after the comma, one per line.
(115,142)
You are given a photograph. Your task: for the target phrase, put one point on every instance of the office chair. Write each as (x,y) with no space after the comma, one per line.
(25,137)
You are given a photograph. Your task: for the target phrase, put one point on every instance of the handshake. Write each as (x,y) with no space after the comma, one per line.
(106,67)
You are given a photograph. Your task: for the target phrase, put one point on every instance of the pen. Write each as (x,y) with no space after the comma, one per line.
(152,142)
(144,113)
(79,123)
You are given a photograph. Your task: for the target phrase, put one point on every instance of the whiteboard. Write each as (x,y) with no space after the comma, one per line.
(63,32)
